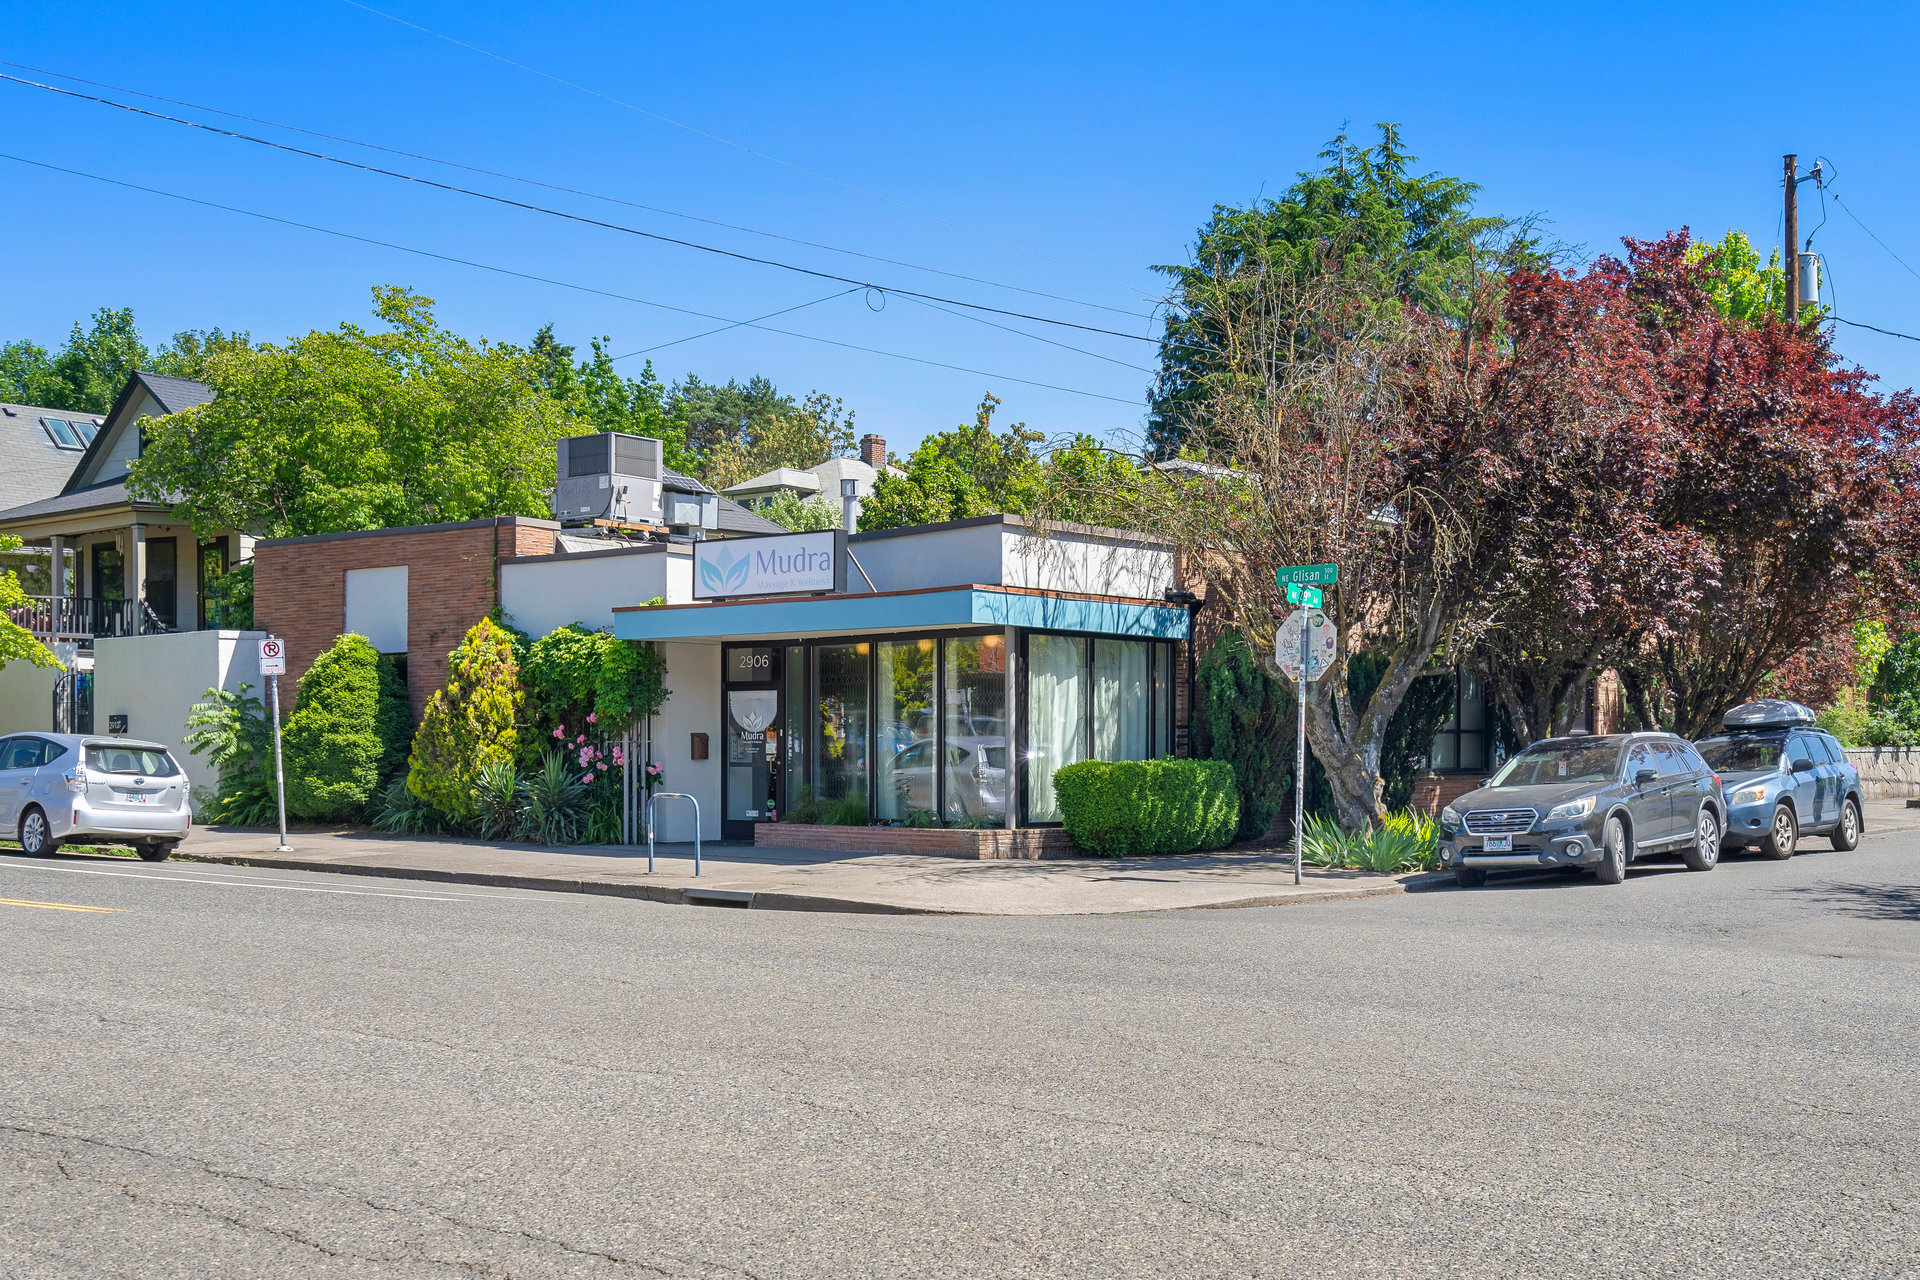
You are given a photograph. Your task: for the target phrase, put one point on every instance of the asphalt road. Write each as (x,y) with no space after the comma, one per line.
(237,1072)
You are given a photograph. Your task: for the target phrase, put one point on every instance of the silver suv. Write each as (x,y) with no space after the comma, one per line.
(61,786)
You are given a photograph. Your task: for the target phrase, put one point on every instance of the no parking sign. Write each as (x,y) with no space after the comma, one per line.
(273,657)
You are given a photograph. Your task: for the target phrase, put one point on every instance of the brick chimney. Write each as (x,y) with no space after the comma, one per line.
(873,452)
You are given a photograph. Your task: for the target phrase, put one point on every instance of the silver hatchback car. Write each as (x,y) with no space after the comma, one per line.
(61,786)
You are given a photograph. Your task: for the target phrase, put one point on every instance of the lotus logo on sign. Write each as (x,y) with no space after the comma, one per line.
(782,564)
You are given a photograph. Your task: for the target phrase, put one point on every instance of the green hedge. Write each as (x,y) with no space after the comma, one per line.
(347,732)
(1131,807)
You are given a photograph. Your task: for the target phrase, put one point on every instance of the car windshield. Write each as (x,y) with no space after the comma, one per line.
(144,762)
(1560,763)
(1741,755)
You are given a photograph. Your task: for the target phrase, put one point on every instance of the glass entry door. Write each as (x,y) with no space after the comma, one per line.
(753,740)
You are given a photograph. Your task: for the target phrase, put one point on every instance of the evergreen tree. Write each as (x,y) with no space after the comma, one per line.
(471,724)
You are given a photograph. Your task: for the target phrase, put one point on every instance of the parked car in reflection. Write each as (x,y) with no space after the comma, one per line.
(59,786)
(976,772)
(1588,803)
(1785,777)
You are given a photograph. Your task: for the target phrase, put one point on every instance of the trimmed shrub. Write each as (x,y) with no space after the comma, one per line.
(574,676)
(342,735)
(469,724)
(1129,807)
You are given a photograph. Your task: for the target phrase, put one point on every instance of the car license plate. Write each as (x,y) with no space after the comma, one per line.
(1499,844)
(136,797)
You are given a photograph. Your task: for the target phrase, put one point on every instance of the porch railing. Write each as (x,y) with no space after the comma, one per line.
(85,618)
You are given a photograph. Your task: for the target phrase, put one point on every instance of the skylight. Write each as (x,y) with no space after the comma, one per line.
(64,436)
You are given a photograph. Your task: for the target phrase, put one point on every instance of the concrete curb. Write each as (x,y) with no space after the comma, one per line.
(740,899)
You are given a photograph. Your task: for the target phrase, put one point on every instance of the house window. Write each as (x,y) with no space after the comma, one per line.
(63,434)
(1462,745)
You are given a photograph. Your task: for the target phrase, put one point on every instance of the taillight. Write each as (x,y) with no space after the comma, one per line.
(76,781)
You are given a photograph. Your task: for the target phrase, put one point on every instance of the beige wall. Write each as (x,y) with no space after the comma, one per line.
(1887,773)
(693,679)
(26,697)
(155,680)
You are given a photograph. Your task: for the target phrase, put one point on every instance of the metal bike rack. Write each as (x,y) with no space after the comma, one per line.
(673,795)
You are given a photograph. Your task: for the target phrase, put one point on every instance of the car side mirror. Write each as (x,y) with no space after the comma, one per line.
(1802,765)
(1642,777)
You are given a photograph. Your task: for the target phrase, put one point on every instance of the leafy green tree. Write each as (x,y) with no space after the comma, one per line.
(1244,719)
(191,352)
(347,730)
(1087,483)
(1394,235)
(821,428)
(351,429)
(953,475)
(85,375)
(710,414)
(232,731)
(552,363)
(575,677)
(469,725)
(610,401)
(791,511)
(16,642)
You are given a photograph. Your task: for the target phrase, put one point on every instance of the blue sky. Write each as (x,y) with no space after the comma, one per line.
(1059,148)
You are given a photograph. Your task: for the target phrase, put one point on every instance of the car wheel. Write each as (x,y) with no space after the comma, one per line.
(1705,853)
(1846,836)
(1782,835)
(1469,877)
(154,850)
(1613,853)
(36,837)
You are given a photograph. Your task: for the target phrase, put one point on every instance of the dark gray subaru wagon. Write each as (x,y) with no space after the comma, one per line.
(1593,803)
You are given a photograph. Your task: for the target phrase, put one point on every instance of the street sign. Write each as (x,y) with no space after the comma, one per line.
(1321,638)
(1306,597)
(1308,575)
(273,657)
(273,665)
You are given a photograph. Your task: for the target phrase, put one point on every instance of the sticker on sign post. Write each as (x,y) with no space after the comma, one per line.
(273,657)
(1321,638)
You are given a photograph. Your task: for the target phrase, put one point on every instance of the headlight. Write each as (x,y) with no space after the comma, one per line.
(1571,809)
(1450,819)
(1749,793)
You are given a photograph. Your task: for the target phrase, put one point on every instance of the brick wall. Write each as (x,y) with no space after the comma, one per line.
(300,588)
(1433,792)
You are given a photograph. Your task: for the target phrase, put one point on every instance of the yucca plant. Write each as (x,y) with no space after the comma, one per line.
(496,800)
(553,801)
(395,808)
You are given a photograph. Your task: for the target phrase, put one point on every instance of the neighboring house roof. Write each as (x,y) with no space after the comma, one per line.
(170,394)
(735,518)
(32,463)
(106,496)
(778,478)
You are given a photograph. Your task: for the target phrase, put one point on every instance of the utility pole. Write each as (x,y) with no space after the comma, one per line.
(1792,250)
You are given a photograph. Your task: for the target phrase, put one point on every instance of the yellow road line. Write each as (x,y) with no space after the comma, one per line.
(51,906)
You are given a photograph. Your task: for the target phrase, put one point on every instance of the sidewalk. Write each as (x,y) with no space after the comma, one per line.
(739,875)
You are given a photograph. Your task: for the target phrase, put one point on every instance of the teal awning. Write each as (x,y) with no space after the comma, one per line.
(934,608)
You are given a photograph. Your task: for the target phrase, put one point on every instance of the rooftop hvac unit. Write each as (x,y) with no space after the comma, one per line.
(607,476)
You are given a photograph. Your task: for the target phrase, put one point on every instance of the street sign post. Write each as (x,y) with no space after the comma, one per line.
(273,665)
(1308,575)
(1304,648)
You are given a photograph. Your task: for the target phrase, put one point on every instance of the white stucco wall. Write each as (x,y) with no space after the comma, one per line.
(545,594)
(693,682)
(1063,561)
(936,558)
(1013,556)
(26,697)
(155,680)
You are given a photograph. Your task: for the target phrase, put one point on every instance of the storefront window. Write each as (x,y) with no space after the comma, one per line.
(905,777)
(794,731)
(1120,699)
(1461,744)
(1163,657)
(974,728)
(1056,717)
(839,739)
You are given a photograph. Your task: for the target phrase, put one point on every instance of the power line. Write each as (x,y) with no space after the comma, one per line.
(1876,328)
(727,142)
(561,284)
(570,217)
(575,191)
(1876,239)
(1006,328)
(662,346)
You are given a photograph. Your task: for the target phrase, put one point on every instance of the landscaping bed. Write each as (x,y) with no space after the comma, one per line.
(986,844)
